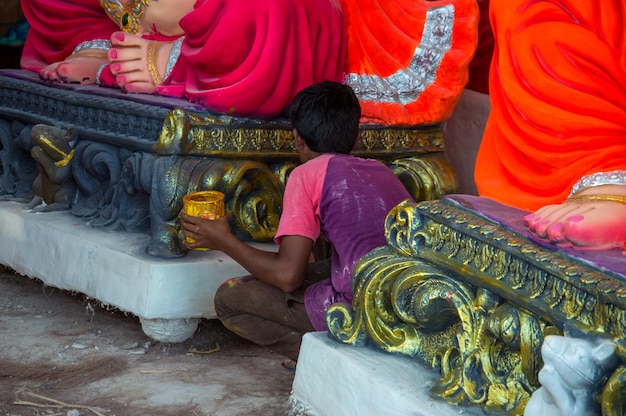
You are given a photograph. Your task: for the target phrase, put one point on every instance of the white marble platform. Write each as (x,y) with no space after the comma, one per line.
(168,295)
(334,379)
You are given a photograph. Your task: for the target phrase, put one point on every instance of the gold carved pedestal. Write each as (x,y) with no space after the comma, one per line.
(135,156)
(250,160)
(473,297)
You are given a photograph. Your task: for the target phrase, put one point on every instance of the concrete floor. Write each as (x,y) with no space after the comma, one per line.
(73,352)
(61,353)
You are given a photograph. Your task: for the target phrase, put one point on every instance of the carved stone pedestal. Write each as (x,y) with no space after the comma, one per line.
(333,379)
(134,156)
(169,297)
(130,160)
(462,287)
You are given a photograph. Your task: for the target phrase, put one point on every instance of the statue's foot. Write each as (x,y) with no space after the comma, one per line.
(137,63)
(80,68)
(594,219)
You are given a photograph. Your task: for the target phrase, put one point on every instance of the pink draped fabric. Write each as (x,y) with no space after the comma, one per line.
(239,57)
(58,26)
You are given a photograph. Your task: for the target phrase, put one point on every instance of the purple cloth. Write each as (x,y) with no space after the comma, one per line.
(357,195)
(513,219)
(147,99)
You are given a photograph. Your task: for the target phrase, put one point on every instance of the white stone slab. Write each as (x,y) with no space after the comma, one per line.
(334,379)
(112,267)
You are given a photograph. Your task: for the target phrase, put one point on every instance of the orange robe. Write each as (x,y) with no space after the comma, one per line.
(558,101)
(408,59)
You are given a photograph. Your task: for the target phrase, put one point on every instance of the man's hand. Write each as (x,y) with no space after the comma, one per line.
(207,233)
(285,269)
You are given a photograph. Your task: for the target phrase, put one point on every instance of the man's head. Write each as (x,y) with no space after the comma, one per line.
(326,115)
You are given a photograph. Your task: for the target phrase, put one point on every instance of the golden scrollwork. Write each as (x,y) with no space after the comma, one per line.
(427,177)
(475,300)
(491,256)
(410,307)
(187,135)
(613,400)
(185,132)
(253,195)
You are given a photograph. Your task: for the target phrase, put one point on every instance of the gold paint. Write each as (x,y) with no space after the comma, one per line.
(473,300)
(126,17)
(50,145)
(67,157)
(151,60)
(66,160)
(185,132)
(250,160)
(205,204)
(613,400)
(597,198)
(81,54)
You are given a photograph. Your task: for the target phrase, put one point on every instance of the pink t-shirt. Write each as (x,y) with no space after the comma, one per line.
(346,199)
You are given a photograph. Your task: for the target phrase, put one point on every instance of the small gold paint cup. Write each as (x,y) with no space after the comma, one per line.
(205,204)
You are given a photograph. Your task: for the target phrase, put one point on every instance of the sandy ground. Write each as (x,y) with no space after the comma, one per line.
(63,354)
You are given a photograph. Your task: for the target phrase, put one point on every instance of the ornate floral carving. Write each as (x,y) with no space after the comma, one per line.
(141,153)
(474,300)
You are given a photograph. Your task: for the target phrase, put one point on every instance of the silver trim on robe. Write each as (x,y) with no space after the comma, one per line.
(405,85)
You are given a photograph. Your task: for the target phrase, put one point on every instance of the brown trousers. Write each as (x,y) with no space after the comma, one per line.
(266,315)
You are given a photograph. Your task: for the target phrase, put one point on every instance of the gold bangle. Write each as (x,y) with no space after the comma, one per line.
(597,198)
(153,47)
(67,157)
(65,161)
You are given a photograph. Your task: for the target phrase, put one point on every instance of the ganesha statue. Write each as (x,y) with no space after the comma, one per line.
(250,59)
(239,65)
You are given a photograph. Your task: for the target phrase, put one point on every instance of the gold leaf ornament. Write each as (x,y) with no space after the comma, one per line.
(126,17)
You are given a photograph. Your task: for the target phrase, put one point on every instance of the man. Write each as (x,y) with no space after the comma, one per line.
(341,197)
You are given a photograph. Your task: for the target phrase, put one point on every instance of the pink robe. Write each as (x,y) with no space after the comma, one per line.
(58,26)
(238,57)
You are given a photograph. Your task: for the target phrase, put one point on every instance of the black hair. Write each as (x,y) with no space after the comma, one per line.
(327,117)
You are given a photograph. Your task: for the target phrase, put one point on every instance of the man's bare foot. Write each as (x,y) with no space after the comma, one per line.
(80,68)
(138,64)
(592,223)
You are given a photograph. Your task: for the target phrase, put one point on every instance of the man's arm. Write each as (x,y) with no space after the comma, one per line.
(285,269)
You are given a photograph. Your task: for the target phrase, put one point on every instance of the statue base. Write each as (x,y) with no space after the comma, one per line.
(168,296)
(362,381)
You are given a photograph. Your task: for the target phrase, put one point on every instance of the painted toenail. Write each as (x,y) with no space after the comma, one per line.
(119,36)
(528,219)
(113,54)
(556,232)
